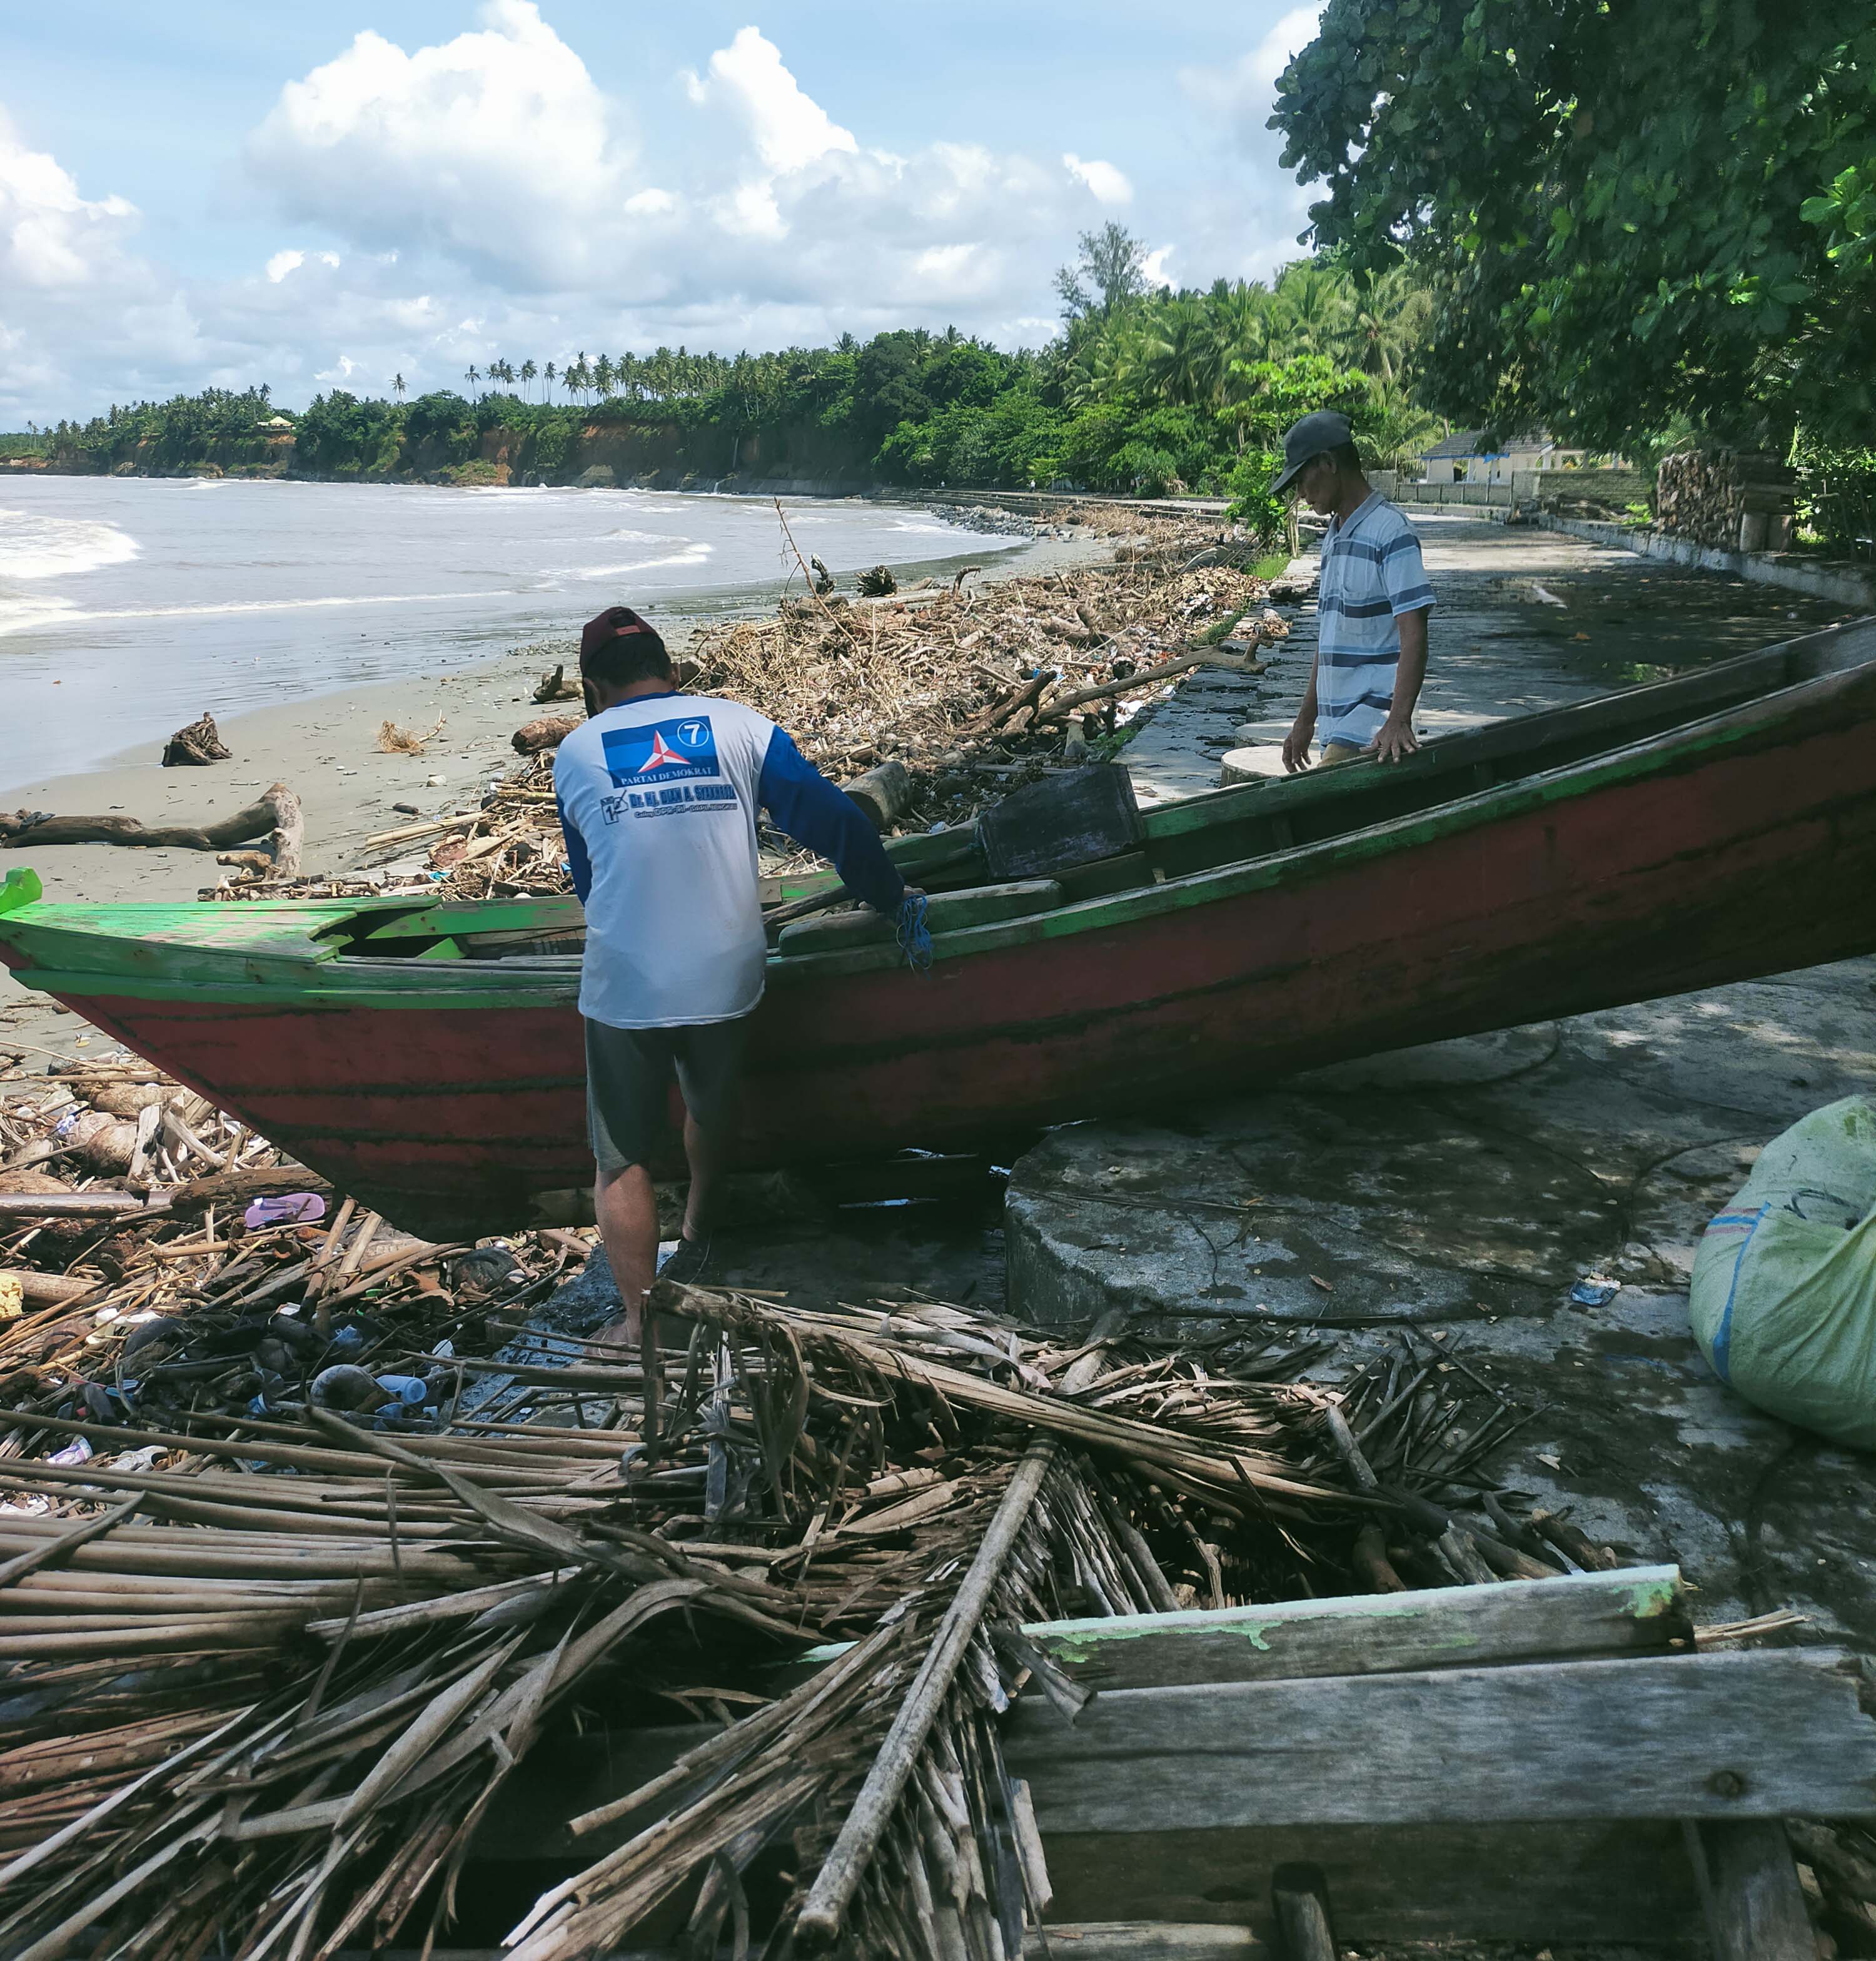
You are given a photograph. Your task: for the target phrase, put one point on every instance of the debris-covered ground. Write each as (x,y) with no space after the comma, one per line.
(312,1533)
(975,687)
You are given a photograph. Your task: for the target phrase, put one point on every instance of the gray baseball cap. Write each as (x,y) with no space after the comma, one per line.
(1323,429)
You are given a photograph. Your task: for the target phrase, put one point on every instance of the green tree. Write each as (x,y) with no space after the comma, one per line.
(1627,212)
(1109,268)
(397,385)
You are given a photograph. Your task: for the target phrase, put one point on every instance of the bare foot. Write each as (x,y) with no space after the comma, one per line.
(624,1334)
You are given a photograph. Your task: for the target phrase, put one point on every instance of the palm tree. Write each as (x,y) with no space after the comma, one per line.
(602,374)
(528,372)
(471,375)
(397,385)
(548,377)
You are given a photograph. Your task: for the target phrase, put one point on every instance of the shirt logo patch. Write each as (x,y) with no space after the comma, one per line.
(663,752)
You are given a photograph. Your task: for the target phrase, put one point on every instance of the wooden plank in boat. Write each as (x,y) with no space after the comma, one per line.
(949,912)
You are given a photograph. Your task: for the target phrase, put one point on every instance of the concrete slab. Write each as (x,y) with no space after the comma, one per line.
(1461,1190)
(1464,1187)
(1497,648)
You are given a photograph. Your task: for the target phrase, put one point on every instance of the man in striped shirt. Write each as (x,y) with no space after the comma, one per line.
(1372,604)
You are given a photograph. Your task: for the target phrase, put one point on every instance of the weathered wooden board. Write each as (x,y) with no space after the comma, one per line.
(1061,821)
(1533,1883)
(1755,1907)
(1638,1611)
(1710,1736)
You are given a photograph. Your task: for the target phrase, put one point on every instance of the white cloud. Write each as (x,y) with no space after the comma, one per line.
(51,239)
(1154,265)
(496,148)
(788,128)
(443,205)
(1108,185)
(1244,93)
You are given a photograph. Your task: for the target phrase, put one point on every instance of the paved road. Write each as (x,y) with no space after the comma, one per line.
(1497,647)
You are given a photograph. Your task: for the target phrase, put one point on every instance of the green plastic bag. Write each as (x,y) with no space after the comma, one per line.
(1784,1296)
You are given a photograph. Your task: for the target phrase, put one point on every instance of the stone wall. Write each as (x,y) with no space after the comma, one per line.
(1738,500)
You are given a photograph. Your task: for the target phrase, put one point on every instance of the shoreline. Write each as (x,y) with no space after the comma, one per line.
(324,748)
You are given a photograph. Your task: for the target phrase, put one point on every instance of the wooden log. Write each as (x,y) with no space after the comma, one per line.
(1755,1907)
(48,1290)
(79,1205)
(277,813)
(1723,1736)
(1064,705)
(548,732)
(197,746)
(1144,1940)
(238,1187)
(885,793)
(1299,1899)
(556,686)
(1637,1611)
(998,713)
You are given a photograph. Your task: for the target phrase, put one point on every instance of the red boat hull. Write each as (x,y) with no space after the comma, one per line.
(1755,860)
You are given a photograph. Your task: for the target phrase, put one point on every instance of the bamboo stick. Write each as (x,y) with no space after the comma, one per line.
(821,1916)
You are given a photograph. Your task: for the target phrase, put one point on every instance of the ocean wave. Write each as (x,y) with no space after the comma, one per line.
(692,554)
(31,547)
(67,613)
(20,613)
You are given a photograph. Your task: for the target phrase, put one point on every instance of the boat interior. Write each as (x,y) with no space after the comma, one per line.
(1227,827)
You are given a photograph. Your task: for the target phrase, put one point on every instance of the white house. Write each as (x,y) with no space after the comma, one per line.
(1481,456)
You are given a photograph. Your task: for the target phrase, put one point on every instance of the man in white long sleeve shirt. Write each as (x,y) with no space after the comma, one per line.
(658,793)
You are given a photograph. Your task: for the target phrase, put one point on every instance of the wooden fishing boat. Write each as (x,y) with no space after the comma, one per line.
(426,1055)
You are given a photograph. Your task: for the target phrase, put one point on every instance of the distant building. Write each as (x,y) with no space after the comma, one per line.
(1481,456)
(276,425)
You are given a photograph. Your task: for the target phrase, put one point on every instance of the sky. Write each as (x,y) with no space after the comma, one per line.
(219,193)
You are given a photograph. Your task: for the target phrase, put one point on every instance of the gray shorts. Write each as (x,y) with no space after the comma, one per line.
(628,1084)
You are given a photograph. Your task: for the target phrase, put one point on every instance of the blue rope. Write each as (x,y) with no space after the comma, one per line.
(914,934)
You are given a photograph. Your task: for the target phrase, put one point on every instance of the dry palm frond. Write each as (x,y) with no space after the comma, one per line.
(393,740)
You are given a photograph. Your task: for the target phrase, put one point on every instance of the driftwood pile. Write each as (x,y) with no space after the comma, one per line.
(197,746)
(275,823)
(270,1661)
(1737,500)
(930,704)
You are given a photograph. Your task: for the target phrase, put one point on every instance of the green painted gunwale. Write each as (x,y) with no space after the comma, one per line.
(288,957)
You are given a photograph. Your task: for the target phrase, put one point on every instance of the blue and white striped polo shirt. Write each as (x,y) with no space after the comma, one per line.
(1372,572)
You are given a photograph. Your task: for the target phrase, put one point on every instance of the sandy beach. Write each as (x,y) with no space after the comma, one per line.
(326,749)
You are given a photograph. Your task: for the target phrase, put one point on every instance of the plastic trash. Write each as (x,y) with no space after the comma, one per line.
(290,1208)
(411,1389)
(1593,1290)
(347,1341)
(78,1451)
(346,1387)
(1783,1301)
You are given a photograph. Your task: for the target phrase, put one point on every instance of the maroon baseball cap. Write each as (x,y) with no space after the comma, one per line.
(604,628)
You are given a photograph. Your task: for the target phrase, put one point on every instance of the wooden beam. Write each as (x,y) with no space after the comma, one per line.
(1638,1611)
(1755,1907)
(1709,1736)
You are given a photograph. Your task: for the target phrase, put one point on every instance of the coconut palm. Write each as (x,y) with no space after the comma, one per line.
(547,377)
(397,385)
(528,372)
(472,375)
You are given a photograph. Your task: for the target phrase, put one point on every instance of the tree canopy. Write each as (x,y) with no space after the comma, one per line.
(1628,212)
